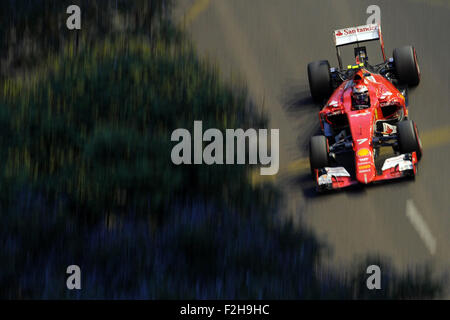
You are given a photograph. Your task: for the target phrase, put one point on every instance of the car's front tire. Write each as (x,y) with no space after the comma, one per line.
(406,65)
(319,80)
(408,138)
(318,152)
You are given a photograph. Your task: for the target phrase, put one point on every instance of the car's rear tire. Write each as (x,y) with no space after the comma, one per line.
(319,80)
(408,138)
(318,152)
(406,65)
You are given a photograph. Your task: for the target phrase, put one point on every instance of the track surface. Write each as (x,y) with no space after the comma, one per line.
(269,43)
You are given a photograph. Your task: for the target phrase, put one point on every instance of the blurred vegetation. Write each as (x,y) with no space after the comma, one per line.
(31,30)
(95,129)
(86,175)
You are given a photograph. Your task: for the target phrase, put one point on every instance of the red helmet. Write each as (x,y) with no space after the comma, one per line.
(360,95)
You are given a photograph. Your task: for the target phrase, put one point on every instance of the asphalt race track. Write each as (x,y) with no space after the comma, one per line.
(269,43)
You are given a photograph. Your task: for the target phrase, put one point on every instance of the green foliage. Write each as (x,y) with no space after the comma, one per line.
(30,30)
(96,128)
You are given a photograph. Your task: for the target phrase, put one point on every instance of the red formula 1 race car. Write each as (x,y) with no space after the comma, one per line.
(365,109)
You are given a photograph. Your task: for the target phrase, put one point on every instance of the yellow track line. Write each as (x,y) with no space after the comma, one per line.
(198,7)
(436,138)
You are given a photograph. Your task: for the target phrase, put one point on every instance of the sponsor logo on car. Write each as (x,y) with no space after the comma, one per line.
(363,152)
(355,30)
(361,141)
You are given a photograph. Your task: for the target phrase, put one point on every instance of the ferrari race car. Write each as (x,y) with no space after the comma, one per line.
(364,109)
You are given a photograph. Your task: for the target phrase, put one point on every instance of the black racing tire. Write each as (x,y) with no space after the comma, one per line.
(319,80)
(406,65)
(318,152)
(408,138)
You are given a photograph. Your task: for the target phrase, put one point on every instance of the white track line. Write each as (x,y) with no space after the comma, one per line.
(421,227)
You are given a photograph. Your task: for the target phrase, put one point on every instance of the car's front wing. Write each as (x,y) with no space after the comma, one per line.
(330,178)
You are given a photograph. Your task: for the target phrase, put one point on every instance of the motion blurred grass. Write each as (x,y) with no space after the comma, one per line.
(86,176)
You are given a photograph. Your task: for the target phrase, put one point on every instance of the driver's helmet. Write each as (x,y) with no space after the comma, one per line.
(360,95)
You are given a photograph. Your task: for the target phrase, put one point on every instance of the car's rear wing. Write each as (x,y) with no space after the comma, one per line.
(356,35)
